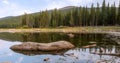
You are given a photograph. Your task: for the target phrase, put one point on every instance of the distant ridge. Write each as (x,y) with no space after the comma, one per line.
(16,20)
(6,17)
(67,7)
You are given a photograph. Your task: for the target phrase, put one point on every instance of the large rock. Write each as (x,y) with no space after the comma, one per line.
(32,46)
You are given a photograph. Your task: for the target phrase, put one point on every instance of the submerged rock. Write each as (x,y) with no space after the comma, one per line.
(71,35)
(46,59)
(32,46)
(6,62)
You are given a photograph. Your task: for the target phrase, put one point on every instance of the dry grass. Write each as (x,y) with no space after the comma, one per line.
(67,29)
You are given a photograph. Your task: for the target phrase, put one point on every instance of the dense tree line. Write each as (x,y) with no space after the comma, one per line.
(107,15)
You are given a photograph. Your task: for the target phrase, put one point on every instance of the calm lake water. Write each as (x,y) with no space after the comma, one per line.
(110,44)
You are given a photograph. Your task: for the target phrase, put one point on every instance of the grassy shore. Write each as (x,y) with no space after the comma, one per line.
(100,29)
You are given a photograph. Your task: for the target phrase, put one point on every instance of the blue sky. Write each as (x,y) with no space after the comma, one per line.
(18,7)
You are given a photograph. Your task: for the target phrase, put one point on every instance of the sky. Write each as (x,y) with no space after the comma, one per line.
(19,7)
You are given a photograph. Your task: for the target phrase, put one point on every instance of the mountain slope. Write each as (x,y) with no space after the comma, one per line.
(9,22)
(14,21)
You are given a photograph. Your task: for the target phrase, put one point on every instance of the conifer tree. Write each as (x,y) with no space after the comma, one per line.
(25,20)
(79,16)
(44,19)
(92,15)
(103,13)
(113,14)
(97,15)
(118,16)
(71,21)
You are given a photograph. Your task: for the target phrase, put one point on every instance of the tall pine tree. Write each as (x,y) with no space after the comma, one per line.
(97,15)
(92,15)
(103,13)
(118,16)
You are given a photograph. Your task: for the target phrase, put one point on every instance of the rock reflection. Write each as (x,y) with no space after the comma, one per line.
(32,53)
(99,50)
(105,49)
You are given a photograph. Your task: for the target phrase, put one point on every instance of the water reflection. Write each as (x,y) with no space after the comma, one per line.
(78,40)
(33,53)
(83,53)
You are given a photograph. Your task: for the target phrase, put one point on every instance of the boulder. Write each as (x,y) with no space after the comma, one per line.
(32,46)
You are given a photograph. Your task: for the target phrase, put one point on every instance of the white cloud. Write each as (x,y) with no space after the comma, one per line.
(5,2)
(11,9)
(61,3)
(52,5)
(74,2)
(19,60)
(18,10)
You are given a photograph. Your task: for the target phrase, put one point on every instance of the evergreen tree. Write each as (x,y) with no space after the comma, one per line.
(92,15)
(71,21)
(103,13)
(97,15)
(67,19)
(54,18)
(36,22)
(61,19)
(118,16)
(86,16)
(83,16)
(31,22)
(108,15)
(76,16)
(79,16)
(25,20)
(113,14)
(44,19)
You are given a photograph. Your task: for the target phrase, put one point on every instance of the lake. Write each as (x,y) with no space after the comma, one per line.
(110,43)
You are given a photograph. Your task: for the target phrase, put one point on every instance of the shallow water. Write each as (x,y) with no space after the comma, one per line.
(80,54)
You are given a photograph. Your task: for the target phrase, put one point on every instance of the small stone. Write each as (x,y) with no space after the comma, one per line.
(46,59)
(71,35)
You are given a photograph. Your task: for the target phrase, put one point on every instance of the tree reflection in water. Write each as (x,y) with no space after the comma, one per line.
(104,49)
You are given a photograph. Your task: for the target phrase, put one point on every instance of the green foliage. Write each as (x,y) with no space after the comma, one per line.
(25,26)
(92,16)
(97,15)
(69,16)
(118,15)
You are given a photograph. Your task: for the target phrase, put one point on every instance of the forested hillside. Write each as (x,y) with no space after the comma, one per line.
(10,22)
(107,15)
(15,21)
